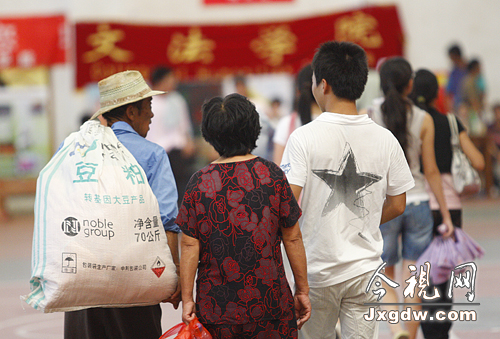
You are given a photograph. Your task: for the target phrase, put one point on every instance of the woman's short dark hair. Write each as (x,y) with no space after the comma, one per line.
(344,67)
(231,124)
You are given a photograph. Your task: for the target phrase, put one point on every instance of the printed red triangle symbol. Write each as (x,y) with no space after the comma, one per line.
(158,271)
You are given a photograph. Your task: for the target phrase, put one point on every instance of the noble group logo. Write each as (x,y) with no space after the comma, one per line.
(91,228)
(70,226)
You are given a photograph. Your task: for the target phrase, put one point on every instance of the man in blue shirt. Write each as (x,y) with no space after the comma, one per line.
(457,74)
(126,106)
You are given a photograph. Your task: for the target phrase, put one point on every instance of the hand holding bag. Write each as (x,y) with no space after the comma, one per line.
(465,178)
(194,330)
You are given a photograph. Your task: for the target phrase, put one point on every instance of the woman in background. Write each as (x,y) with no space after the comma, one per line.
(414,130)
(424,95)
(306,109)
(234,214)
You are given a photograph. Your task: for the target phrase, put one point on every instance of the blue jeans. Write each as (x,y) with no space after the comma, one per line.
(415,228)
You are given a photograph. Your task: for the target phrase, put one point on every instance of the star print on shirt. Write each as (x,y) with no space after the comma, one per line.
(348,185)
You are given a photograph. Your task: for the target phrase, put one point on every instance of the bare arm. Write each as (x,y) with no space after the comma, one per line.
(394,206)
(278,153)
(473,154)
(173,244)
(190,252)
(431,171)
(296,191)
(292,240)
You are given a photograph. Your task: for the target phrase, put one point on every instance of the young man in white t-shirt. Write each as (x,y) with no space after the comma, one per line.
(353,176)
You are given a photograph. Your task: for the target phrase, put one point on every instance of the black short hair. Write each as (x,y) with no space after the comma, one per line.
(473,65)
(344,67)
(159,73)
(119,112)
(231,124)
(455,50)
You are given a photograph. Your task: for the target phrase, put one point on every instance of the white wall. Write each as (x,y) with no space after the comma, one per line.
(430,27)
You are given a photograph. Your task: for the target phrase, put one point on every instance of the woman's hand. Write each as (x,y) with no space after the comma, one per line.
(188,311)
(450,229)
(302,309)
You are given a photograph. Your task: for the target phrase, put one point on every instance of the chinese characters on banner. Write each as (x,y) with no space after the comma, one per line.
(204,52)
(30,42)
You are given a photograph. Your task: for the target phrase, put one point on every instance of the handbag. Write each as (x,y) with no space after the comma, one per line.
(465,178)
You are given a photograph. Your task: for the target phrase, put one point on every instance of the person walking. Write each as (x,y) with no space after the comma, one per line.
(234,215)
(126,106)
(353,175)
(424,95)
(414,130)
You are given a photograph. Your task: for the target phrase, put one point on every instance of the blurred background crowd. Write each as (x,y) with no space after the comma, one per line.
(53,53)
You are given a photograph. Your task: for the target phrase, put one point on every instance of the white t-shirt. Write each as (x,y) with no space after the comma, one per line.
(285,127)
(171,126)
(346,166)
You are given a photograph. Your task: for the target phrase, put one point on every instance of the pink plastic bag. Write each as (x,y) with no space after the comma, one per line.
(444,254)
(194,330)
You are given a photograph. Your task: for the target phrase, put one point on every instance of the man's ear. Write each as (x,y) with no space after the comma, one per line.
(132,112)
(324,86)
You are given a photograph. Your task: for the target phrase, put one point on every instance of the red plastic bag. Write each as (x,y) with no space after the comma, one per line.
(194,330)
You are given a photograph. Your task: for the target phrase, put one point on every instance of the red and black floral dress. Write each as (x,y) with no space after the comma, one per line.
(236,210)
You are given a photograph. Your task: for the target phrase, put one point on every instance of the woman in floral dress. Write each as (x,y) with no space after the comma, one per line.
(234,215)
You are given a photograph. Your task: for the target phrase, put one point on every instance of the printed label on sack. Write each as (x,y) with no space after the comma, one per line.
(70,226)
(91,228)
(69,263)
(158,267)
(114,200)
(147,229)
(86,171)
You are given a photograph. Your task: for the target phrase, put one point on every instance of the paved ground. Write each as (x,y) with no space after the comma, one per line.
(18,320)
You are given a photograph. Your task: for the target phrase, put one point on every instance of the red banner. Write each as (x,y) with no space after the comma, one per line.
(34,41)
(226,2)
(205,52)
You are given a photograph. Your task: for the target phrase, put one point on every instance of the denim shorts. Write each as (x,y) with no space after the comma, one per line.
(415,228)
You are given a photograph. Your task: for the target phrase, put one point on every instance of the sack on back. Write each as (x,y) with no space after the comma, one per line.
(98,238)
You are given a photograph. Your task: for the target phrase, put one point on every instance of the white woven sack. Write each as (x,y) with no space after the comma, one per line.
(98,237)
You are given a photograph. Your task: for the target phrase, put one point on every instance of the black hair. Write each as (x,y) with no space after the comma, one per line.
(425,89)
(305,96)
(395,74)
(85,117)
(231,125)
(455,50)
(276,101)
(158,74)
(472,65)
(119,112)
(344,67)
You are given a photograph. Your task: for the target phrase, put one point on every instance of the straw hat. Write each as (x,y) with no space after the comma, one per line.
(122,88)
